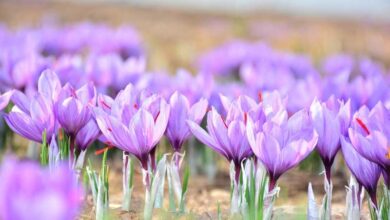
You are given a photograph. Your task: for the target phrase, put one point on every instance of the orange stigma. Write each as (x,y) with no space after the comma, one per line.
(362,125)
(135,105)
(245,117)
(260,96)
(98,152)
(61,136)
(388,153)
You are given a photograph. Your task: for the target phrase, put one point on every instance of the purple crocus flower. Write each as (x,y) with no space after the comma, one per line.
(370,133)
(31,117)
(181,111)
(366,172)
(330,119)
(281,146)
(227,137)
(73,108)
(88,134)
(140,135)
(28,191)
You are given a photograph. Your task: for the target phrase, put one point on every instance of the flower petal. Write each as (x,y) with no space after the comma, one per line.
(49,84)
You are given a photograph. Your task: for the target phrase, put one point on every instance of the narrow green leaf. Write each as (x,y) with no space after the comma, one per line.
(44,150)
(185,180)
(131,176)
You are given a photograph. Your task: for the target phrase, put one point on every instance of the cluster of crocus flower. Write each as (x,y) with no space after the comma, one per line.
(53,107)
(276,109)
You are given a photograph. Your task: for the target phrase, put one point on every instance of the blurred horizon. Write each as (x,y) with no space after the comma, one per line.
(378,11)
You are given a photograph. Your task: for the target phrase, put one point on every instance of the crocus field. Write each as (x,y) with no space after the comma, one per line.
(92,127)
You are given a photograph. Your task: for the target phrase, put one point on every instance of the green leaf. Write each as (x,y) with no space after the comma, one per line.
(131,176)
(185,180)
(44,150)
(184,188)
(219,213)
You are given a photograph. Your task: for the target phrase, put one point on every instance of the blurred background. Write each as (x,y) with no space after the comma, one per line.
(176,32)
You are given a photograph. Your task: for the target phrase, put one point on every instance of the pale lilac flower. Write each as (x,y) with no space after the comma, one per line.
(181,111)
(330,119)
(28,191)
(138,134)
(282,146)
(225,136)
(31,117)
(73,107)
(370,133)
(367,173)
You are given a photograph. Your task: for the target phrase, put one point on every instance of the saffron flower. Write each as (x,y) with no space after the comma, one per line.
(31,117)
(331,119)
(74,107)
(281,146)
(225,136)
(367,173)
(28,191)
(369,134)
(181,111)
(139,134)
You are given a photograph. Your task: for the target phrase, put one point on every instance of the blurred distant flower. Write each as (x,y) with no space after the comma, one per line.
(28,191)
(337,64)
(228,58)
(20,71)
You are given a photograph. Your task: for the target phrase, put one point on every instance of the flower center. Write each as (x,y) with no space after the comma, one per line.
(245,117)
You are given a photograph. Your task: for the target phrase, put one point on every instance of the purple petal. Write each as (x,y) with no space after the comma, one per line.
(198,110)
(161,122)
(21,123)
(87,94)
(204,137)
(87,135)
(21,100)
(5,98)
(49,84)
(177,127)
(143,125)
